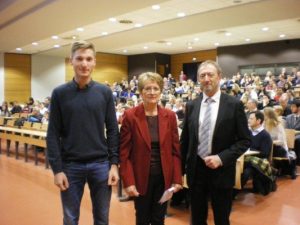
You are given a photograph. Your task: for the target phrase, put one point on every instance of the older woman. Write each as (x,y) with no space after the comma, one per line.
(149,152)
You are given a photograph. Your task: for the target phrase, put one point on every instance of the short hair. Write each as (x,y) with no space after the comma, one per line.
(149,76)
(210,62)
(296,102)
(259,116)
(82,45)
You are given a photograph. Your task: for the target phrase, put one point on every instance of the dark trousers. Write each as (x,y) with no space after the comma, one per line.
(297,149)
(148,210)
(201,190)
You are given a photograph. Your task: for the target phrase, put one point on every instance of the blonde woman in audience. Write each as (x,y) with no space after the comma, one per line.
(279,112)
(276,130)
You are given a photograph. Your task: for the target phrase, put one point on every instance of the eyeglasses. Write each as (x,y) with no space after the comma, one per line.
(149,90)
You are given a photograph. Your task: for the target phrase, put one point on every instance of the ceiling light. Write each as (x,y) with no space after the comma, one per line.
(138,25)
(80,29)
(155,7)
(125,50)
(56,46)
(181,14)
(282,35)
(55,37)
(190,47)
(145,47)
(217,44)
(196,39)
(74,37)
(194,59)
(265,28)
(19,49)
(247,39)
(227,34)
(104,33)
(169,43)
(112,19)
(34,43)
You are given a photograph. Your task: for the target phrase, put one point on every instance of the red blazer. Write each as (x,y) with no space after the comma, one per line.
(135,149)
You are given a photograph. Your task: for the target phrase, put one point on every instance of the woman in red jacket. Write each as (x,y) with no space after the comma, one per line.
(149,153)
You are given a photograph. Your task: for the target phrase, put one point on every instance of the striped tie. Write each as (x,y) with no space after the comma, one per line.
(205,129)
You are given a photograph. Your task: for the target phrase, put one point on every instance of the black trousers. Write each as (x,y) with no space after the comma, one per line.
(201,190)
(148,210)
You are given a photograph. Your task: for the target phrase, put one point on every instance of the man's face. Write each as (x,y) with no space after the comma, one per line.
(83,62)
(209,79)
(294,108)
(252,121)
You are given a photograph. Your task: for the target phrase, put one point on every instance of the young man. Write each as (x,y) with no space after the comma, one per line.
(214,135)
(83,138)
(260,141)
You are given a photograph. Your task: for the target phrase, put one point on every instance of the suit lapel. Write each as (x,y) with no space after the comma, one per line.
(196,114)
(222,106)
(142,125)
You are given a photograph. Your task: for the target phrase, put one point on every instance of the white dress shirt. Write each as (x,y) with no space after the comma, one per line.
(214,113)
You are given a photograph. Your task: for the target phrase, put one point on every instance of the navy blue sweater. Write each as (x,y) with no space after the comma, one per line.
(262,142)
(77,124)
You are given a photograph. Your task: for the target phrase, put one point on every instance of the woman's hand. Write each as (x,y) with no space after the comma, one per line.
(177,187)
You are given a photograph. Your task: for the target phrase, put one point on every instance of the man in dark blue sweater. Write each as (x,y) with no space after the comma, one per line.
(260,141)
(83,138)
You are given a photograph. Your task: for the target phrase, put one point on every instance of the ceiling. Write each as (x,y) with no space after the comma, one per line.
(207,24)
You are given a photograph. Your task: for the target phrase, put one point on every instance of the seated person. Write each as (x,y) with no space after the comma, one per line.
(260,141)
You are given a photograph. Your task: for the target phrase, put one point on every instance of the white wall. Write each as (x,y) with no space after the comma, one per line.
(47,72)
(1,78)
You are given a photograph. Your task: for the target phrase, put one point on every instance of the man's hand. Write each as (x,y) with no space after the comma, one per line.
(213,161)
(61,180)
(131,191)
(113,176)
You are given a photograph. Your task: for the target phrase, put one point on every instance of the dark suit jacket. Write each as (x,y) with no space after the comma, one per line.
(292,122)
(135,149)
(231,138)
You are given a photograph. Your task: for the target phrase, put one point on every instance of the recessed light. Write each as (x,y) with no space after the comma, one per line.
(217,44)
(155,7)
(190,47)
(34,43)
(112,19)
(74,37)
(80,29)
(169,43)
(145,47)
(138,25)
(104,33)
(55,37)
(196,39)
(56,46)
(125,50)
(247,39)
(181,14)
(19,49)
(194,59)
(265,28)
(282,35)
(227,34)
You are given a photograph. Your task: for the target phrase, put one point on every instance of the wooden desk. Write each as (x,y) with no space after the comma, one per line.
(28,137)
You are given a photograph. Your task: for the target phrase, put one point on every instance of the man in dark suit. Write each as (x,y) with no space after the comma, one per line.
(209,158)
(293,122)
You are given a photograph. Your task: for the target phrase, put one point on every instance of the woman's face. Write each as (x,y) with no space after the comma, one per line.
(151,92)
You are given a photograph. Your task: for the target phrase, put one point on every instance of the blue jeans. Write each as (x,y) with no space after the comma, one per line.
(96,175)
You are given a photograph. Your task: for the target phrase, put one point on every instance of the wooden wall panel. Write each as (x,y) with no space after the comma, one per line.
(17,70)
(178,60)
(109,68)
